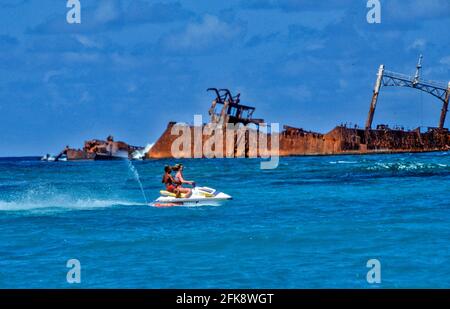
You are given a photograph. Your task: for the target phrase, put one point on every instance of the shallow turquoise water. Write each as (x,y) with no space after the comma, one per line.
(313,222)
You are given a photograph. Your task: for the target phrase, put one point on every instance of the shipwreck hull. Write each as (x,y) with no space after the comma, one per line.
(78,155)
(81,155)
(101,150)
(340,140)
(227,110)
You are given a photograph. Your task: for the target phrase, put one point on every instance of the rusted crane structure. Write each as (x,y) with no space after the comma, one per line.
(226,108)
(386,78)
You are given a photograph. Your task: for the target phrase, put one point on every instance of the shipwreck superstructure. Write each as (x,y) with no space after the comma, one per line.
(226,108)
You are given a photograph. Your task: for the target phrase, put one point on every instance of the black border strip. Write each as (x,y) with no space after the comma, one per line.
(77,297)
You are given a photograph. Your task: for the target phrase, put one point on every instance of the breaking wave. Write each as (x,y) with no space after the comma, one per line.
(404,166)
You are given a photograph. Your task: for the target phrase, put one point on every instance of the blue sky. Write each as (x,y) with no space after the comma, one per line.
(132,66)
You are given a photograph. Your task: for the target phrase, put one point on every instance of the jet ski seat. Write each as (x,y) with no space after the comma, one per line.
(206,192)
(167,193)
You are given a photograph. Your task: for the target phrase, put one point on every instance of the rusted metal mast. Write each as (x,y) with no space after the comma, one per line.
(418,68)
(376,91)
(444,108)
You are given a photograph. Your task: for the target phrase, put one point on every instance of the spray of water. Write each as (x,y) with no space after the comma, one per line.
(135,173)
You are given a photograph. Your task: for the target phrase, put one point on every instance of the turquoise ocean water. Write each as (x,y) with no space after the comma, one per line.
(313,222)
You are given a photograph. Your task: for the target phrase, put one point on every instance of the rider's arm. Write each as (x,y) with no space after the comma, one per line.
(182,180)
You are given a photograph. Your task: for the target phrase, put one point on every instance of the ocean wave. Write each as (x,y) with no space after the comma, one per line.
(343,162)
(403,166)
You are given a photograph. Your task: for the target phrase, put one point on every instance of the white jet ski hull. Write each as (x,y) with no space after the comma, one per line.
(219,197)
(199,195)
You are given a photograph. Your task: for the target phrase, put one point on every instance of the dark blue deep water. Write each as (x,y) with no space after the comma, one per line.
(313,222)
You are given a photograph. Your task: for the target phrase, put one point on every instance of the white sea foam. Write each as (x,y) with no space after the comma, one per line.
(140,154)
(343,162)
(404,166)
(63,203)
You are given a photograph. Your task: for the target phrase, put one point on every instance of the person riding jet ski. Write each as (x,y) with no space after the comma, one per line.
(178,168)
(173,185)
(176,195)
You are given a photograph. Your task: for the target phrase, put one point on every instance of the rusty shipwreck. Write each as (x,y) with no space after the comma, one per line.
(100,150)
(227,108)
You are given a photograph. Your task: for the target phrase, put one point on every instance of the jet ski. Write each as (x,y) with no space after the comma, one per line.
(200,196)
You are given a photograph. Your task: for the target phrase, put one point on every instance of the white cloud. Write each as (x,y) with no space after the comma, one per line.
(445,60)
(108,10)
(418,44)
(52,73)
(85,97)
(412,10)
(210,31)
(314,45)
(297,92)
(87,42)
(81,57)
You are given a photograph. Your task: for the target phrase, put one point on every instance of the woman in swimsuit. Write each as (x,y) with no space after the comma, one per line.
(179,175)
(180,180)
(173,185)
